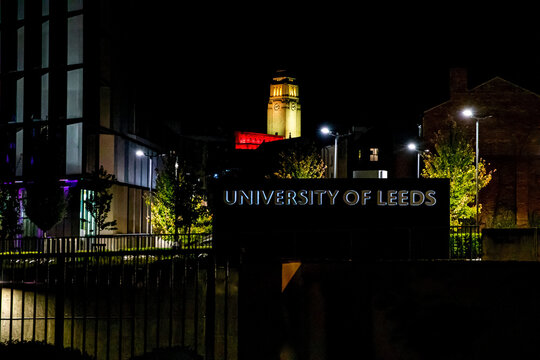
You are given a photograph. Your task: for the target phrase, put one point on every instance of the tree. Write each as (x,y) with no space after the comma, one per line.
(9,212)
(99,200)
(302,162)
(454,158)
(178,202)
(46,203)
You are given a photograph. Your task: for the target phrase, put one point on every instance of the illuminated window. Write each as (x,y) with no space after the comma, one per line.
(19,102)
(75,40)
(44,7)
(45,96)
(74,94)
(45,44)
(88,224)
(74,148)
(374,156)
(20,48)
(74,5)
(20,10)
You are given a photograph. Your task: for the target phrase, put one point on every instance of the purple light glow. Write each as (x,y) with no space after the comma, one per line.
(69,182)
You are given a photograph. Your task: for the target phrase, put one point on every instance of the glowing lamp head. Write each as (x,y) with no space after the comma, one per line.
(325,130)
(411,146)
(139,153)
(467,113)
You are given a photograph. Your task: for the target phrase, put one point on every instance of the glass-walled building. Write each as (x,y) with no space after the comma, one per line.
(67,105)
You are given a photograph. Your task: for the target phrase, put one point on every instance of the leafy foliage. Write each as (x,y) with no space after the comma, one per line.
(9,212)
(300,163)
(178,202)
(454,158)
(100,198)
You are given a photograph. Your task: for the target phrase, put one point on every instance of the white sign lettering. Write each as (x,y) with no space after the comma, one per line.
(279,197)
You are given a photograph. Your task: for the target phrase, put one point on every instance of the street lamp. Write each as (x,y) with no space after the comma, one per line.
(141,153)
(469,113)
(413,147)
(336,135)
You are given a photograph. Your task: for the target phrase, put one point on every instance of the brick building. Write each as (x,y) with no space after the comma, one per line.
(509,140)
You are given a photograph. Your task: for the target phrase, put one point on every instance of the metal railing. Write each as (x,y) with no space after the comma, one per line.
(465,242)
(119,305)
(124,242)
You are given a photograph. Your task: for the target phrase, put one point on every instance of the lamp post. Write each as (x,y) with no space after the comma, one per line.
(468,113)
(413,147)
(140,153)
(336,135)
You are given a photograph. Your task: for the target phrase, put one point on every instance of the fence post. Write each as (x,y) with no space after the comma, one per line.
(59,301)
(210,306)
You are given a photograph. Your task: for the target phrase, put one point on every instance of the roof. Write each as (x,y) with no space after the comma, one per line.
(485,84)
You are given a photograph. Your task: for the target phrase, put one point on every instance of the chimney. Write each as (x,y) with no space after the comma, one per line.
(458,81)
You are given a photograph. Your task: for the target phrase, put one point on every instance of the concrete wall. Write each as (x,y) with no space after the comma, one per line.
(510,244)
(395,310)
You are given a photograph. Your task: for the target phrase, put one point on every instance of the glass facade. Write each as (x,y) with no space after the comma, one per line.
(43,86)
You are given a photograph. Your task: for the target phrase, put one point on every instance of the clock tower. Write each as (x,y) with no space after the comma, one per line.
(283,107)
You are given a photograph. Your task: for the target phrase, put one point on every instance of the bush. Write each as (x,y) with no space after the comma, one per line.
(17,350)
(465,246)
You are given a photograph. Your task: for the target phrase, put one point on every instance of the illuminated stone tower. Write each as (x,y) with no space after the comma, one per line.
(283,107)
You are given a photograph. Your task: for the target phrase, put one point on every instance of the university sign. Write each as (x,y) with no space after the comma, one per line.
(273,217)
(320,197)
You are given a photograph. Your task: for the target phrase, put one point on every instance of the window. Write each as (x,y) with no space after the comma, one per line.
(74,148)
(75,40)
(20,48)
(88,223)
(45,96)
(45,45)
(19,153)
(74,94)
(44,7)
(19,101)
(74,5)
(20,10)
(374,154)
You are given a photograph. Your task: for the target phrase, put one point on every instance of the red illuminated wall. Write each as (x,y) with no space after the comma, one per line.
(250,140)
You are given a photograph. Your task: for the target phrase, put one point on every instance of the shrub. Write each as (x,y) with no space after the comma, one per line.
(17,350)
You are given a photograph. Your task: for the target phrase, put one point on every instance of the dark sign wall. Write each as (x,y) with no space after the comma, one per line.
(332,217)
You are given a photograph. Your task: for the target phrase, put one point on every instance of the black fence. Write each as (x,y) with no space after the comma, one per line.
(121,304)
(123,296)
(465,242)
(127,242)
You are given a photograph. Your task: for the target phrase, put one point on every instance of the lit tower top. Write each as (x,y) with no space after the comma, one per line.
(284,107)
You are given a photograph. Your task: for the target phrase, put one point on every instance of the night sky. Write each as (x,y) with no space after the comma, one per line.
(353,67)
